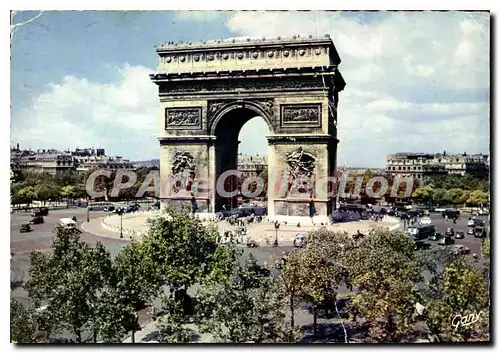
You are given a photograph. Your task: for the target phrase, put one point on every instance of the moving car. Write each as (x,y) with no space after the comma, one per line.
(300,240)
(459,235)
(67,223)
(446,241)
(479,232)
(25,228)
(421,231)
(470,231)
(475,222)
(36,220)
(451,213)
(460,250)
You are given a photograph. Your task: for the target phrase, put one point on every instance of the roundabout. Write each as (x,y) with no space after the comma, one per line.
(135,225)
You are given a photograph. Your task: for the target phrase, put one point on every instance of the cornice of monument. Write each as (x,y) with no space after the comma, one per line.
(235,54)
(242,42)
(213,74)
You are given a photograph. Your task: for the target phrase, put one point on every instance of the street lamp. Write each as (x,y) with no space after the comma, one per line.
(276,227)
(88,218)
(121,224)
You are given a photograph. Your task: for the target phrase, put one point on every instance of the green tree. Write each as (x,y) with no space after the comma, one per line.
(67,281)
(28,193)
(133,284)
(454,196)
(439,196)
(172,326)
(180,251)
(314,274)
(113,315)
(384,271)
(461,290)
(22,324)
(246,308)
(424,193)
(67,192)
(478,197)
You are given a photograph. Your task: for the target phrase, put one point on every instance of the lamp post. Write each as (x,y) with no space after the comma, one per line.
(121,224)
(276,227)
(88,218)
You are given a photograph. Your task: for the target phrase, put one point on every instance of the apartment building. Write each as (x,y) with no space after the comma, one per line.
(425,165)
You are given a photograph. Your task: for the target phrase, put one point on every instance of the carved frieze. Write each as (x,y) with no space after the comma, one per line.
(182,172)
(214,107)
(183,118)
(246,84)
(301,115)
(182,162)
(300,162)
(266,104)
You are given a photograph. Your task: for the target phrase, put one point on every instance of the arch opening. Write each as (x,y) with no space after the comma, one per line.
(230,129)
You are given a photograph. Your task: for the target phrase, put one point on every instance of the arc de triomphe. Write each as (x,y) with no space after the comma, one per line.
(209,90)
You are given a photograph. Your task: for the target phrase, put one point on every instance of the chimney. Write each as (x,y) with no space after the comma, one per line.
(18,147)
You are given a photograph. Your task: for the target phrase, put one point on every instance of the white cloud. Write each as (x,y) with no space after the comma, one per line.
(415,81)
(78,113)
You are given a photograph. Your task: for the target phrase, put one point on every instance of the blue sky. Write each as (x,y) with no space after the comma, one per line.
(415,81)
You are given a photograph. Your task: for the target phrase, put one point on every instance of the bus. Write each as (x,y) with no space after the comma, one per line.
(421,231)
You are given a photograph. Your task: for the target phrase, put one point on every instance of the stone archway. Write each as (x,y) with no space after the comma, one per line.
(209,90)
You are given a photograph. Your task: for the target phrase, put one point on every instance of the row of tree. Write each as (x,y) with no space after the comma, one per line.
(27,187)
(429,194)
(82,289)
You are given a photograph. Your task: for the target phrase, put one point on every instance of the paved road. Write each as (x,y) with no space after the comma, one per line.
(469,241)
(40,239)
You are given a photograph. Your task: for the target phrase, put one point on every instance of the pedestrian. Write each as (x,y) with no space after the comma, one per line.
(475,257)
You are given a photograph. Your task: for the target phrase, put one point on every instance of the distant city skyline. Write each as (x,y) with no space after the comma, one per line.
(416,82)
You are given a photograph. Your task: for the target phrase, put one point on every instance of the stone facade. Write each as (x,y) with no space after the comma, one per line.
(208,91)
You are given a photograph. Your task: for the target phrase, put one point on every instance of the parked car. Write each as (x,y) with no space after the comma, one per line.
(300,240)
(446,241)
(252,244)
(461,250)
(110,208)
(25,228)
(132,208)
(459,235)
(36,220)
(44,211)
(436,236)
(450,232)
(420,245)
(36,212)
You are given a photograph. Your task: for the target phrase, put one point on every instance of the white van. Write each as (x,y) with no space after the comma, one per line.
(67,223)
